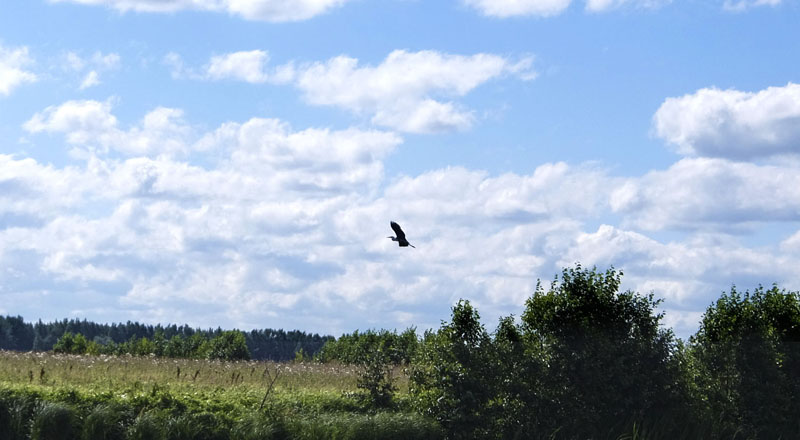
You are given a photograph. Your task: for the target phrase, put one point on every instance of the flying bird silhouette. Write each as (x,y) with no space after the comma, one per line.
(401,236)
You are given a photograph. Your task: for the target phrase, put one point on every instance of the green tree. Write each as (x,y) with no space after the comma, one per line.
(376,380)
(229,345)
(452,377)
(603,359)
(71,344)
(748,352)
(585,360)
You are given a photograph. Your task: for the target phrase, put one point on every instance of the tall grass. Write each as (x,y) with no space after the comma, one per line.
(111,372)
(55,396)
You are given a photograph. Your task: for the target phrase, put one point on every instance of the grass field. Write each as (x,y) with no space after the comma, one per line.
(184,398)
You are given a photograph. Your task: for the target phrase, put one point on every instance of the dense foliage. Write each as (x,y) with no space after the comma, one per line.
(228,345)
(266,344)
(29,414)
(586,360)
(377,353)
(356,348)
(747,362)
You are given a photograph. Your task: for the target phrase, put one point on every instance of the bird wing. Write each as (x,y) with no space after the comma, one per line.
(400,234)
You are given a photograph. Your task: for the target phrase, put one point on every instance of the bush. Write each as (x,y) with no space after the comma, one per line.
(15,416)
(453,376)
(377,380)
(71,344)
(54,421)
(230,346)
(357,347)
(147,426)
(103,423)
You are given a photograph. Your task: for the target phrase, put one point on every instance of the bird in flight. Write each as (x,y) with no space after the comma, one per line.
(401,236)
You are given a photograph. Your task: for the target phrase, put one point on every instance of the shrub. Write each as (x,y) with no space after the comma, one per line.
(15,416)
(229,345)
(71,344)
(357,347)
(103,423)
(377,380)
(54,421)
(147,426)
(452,378)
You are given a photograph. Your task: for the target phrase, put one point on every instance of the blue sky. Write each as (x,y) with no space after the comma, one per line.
(235,163)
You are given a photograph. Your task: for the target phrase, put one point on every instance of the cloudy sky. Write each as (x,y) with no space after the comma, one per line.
(236,163)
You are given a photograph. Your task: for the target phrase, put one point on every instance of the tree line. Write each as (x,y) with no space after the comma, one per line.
(134,337)
(585,360)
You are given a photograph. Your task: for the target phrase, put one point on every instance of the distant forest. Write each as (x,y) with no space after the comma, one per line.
(266,344)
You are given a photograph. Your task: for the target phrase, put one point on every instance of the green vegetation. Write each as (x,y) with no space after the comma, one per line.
(357,347)
(228,345)
(160,398)
(586,360)
(141,339)
(583,360)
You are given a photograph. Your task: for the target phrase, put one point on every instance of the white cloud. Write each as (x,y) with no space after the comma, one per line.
(732,123)
(287,227)
(510,8)
(607,5)
(709,193)
(90,80)
(13,62)
(547,8)
(408,91)
(262,10)
(743,5)
(109,61)
(687,274)
(96,64)
(248,66)
(243,66)
(404,91)
(311,159)
(89,125)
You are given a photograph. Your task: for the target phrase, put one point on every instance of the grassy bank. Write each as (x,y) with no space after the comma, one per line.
(88,397)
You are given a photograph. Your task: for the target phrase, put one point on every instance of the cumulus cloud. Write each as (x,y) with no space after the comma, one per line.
(90,68)
(248,66)
(13,65)
(731,123)
(407,91)
(309,160)
(404,92)
(90,80)
(687,274)
(260,224)
(261,10)
(89,126)
(243,66)
(510,8)
(708,193)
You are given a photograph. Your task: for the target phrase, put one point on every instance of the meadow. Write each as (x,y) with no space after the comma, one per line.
(45,395)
